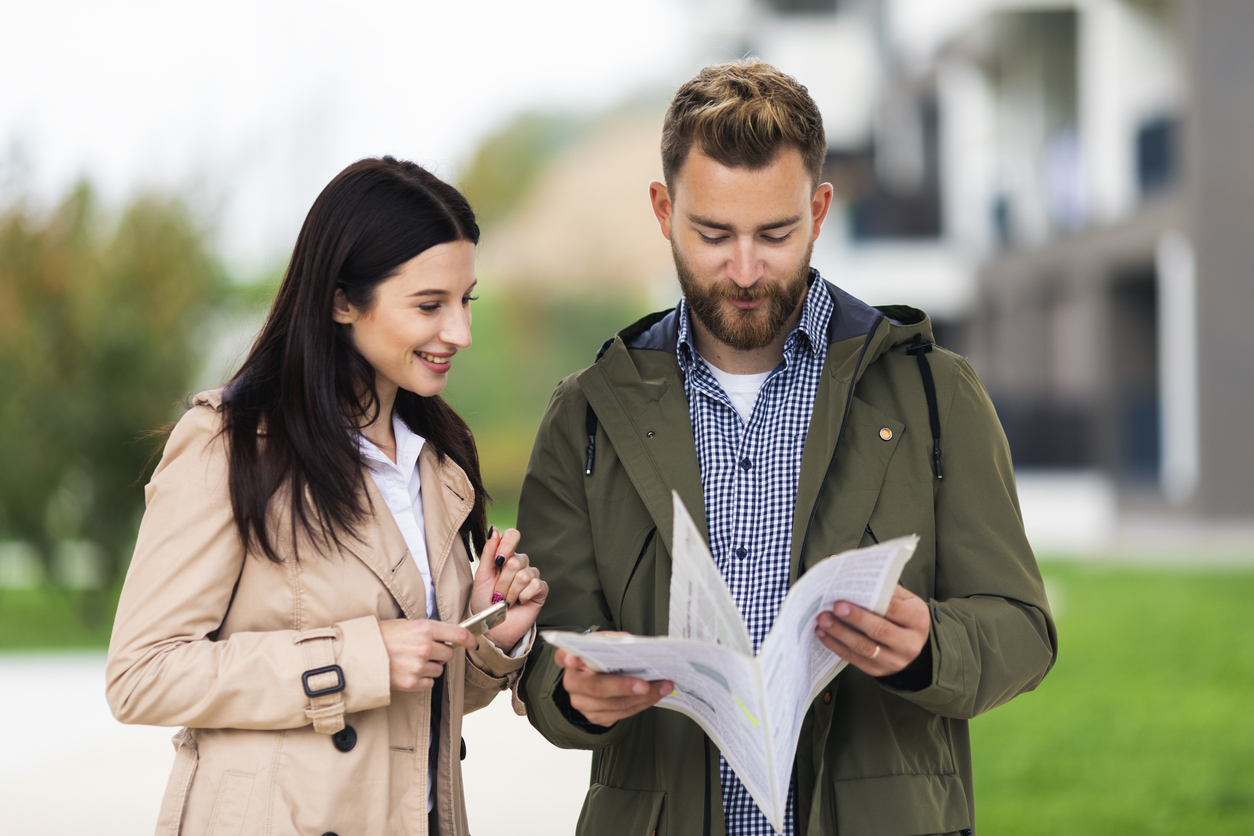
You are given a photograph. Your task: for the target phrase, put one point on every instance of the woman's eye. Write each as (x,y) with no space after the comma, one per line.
(430,307)
(468,299)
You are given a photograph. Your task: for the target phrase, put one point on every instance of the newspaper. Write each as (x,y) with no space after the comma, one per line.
(751,707)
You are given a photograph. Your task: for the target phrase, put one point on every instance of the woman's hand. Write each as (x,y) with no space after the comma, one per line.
(505,573)
(417,650)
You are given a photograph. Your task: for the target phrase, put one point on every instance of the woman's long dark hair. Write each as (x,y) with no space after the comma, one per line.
(292,412)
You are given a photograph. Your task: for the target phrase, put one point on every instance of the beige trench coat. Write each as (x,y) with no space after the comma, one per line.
(191,648)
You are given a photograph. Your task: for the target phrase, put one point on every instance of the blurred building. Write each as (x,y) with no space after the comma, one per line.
(1065,187)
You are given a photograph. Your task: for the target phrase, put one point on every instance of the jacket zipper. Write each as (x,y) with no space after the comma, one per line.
(639,557)
(705,819)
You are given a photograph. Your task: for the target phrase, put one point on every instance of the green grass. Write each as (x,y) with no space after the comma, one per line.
(1146,724)
(45,618)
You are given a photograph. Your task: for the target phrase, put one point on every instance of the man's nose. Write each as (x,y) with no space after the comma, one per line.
(746,267)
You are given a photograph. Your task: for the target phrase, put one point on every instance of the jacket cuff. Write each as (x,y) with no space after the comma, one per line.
(364,658)
(939,681)
(497,663)
(540,692)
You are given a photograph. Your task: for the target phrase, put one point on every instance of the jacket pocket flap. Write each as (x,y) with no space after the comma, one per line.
(610,810)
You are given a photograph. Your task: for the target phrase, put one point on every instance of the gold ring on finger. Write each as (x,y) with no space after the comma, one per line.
(876,653)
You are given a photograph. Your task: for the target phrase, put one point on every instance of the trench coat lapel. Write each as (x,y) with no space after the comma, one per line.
(383,549)
(447,499)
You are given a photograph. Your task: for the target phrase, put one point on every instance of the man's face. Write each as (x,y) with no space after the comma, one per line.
(742,240)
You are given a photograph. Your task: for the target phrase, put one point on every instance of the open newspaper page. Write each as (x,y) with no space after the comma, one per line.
(701,606)
(795,665)
(752,708)
(718,688)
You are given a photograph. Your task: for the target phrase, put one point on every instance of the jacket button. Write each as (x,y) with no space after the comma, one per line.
(463,748)
(827,697)
(345,739)
(886,434)
(649,434)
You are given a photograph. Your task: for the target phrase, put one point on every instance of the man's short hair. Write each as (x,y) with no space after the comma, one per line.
(741,114)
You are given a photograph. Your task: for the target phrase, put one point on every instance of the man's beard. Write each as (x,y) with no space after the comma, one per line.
(743,330)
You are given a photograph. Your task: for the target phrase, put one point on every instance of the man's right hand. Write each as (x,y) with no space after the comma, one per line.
(603,698)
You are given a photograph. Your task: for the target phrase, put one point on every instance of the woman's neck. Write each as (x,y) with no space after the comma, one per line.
(379,431)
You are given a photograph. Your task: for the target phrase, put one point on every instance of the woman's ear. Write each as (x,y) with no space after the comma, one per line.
(341,310)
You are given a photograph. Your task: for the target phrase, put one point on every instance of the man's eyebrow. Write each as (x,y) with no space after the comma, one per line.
(727,227)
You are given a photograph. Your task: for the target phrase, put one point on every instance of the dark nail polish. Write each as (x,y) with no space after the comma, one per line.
(500,560)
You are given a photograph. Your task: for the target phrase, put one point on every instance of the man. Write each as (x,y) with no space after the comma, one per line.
(795,422)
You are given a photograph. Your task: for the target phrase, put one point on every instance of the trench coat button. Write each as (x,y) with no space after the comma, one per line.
(886,434)
(463,748)
(345,739)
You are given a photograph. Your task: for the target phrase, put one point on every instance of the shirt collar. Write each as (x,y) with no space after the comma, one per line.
(408,445)
(816,312)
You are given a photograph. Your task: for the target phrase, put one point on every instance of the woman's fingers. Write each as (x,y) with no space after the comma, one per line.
(418,649)
(515,573)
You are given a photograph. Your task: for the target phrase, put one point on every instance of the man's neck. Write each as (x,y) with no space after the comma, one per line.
(735,361)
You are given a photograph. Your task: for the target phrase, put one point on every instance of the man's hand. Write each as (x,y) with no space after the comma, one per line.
(604,698)
(877,645)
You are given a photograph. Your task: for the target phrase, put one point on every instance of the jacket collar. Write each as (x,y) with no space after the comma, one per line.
(637,392)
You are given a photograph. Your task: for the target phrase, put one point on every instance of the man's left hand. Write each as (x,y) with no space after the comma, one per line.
(877,645)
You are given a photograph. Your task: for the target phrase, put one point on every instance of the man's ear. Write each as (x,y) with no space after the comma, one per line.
(819,206)
(341,311)
(660,197)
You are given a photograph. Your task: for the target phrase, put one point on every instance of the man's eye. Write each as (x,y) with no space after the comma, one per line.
(778,239)
(712,239)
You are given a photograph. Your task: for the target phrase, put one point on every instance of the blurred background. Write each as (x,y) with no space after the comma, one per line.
(1066,186)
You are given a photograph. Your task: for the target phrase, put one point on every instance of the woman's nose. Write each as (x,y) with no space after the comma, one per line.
(457,328)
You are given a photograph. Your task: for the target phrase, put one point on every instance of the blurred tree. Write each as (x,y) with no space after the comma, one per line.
(98,317)
(507,162)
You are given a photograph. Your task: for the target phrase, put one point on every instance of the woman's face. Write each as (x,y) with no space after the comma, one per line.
(419,319)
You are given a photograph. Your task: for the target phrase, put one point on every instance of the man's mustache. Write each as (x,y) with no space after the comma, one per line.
(736,293)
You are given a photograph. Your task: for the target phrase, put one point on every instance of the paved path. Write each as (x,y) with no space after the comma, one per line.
(67,767)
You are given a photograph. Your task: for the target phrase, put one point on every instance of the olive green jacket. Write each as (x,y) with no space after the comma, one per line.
(872,759)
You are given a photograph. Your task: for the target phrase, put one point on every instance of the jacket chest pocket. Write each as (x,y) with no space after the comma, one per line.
(633,603)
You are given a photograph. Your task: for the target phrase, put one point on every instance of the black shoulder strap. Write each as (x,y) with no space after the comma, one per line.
(590,417)
(920,349)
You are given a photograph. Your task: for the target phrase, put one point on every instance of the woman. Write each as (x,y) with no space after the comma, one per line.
(302,564)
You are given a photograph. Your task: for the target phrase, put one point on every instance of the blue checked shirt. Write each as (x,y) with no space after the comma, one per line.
(749,473)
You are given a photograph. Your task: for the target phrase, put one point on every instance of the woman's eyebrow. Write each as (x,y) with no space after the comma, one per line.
(435,291)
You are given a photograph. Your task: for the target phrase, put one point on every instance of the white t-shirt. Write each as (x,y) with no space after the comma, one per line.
(742,389)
